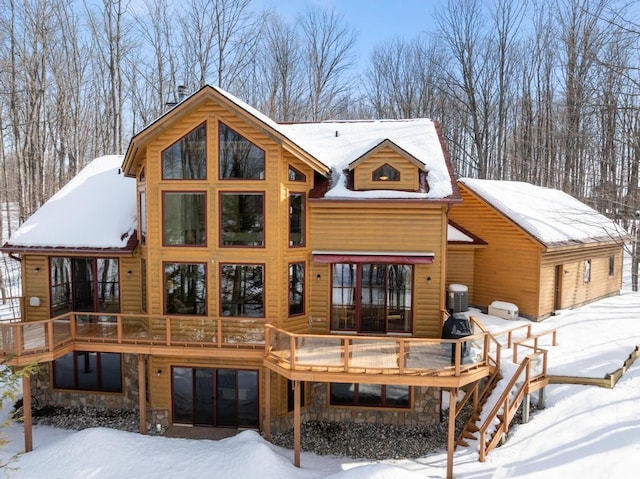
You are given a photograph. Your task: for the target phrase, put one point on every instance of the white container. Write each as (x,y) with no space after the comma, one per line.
(503,310)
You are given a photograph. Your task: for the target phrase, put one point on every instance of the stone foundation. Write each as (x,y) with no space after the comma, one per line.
(425,410)
(42,390)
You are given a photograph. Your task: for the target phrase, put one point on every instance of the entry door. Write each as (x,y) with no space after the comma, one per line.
(215,397)
(557,288)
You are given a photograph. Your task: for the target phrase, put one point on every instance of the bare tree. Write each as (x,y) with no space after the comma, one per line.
(329,56)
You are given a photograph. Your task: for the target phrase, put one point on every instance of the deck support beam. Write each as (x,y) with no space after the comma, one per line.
(296,423)
(142,393)
(451,446)
(26,412)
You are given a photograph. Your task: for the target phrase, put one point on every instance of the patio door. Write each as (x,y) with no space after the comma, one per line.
(215,397)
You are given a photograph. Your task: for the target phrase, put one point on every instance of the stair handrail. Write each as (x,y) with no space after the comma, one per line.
(502,404)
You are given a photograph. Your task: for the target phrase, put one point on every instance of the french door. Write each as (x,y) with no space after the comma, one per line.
(215,397)
(371,297)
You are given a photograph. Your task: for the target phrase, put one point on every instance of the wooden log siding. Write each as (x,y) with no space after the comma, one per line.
(574,291)
(409,175)
(404,226)
(508,269)
(35,274)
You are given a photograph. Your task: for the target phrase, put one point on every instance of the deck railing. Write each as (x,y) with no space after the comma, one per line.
(35,337)
(375,354)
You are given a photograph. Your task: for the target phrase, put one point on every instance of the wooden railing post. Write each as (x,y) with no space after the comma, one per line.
(119,327)
(167,323)
(292,352)
(72,325)
(401,356)
(49,325)
(219,332)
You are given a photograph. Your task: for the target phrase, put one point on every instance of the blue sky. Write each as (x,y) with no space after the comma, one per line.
(375,21)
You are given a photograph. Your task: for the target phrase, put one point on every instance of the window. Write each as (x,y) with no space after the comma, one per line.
(239,158)
(184,218)
(143,216)
(587,271)
(612,265)
(296,289)
(386,173)
(88,371)
(296,219)
(295,175)
(372,395)
(84,284)
(242,290)
(242,219)
(186,159)
(290,395)
(371,297)
(185,288)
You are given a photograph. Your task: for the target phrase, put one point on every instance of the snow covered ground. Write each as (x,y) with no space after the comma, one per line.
(584,431)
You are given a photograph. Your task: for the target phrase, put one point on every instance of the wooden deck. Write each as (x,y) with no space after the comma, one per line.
(401,360)
(24,342)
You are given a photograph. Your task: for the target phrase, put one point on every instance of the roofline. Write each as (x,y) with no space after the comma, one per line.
(128,249)
(476,239)
(554,245)
(394,146)
(139,141)
(455,190)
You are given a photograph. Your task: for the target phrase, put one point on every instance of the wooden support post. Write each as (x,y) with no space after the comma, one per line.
(541,404)
(26,412)
(142,393)
(296,423)
(451,445)
(526,405)
(267,404)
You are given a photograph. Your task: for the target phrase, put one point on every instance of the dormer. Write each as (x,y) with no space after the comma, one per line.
(386,166)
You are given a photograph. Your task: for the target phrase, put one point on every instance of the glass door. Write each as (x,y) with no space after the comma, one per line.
(215,397)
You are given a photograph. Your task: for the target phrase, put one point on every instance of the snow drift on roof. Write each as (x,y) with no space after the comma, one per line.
(549,215)
(96,209)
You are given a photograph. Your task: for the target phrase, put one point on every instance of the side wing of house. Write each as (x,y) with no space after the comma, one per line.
(570,277)
(508,269)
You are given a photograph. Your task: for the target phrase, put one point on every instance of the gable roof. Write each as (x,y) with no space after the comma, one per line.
(551,216)
(94,212)
(328,147)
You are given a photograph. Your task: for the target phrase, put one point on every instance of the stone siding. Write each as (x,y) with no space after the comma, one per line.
(425,410)
(42,390)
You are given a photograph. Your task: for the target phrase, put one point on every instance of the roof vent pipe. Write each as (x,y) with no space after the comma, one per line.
(336,133)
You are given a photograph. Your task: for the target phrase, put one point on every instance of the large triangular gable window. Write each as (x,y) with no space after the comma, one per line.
(186,159)
(386,173)
(239,158)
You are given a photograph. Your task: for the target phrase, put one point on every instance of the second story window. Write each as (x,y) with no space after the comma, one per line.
(185,288)
(186,159)
(296,289)
(242,219)
(296,219)
(239,159)
(84,284)
(184,218)
(242,290)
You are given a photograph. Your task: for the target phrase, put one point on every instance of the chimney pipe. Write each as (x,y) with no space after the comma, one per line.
(183,91)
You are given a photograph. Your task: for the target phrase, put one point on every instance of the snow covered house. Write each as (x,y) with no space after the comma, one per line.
(545,250)
(233,271)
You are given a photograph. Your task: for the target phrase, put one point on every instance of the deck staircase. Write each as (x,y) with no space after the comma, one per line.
(500,395)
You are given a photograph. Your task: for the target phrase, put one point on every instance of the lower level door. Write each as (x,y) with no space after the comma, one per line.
(215,397)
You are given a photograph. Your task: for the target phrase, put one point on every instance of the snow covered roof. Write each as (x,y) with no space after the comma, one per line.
(95,210)
(337,144)
(332,146)
(551,216)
